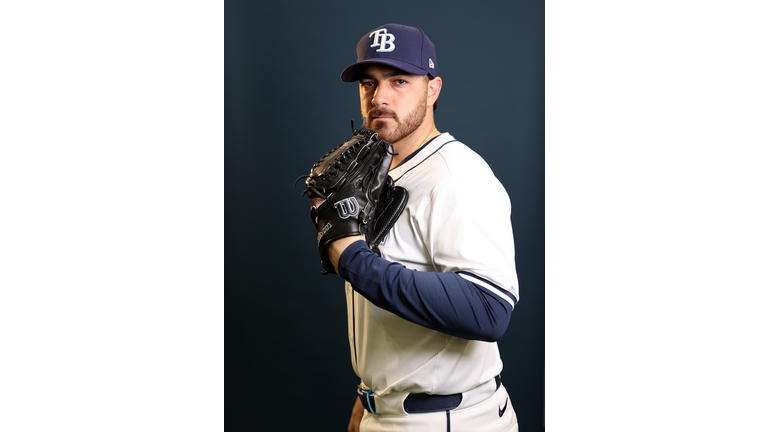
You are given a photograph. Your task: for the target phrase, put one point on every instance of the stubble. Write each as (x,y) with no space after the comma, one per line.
(401,128)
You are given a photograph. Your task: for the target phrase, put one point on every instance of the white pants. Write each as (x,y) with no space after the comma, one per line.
(482,417)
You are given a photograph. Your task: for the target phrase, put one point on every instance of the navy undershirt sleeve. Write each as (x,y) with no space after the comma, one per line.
(445,302)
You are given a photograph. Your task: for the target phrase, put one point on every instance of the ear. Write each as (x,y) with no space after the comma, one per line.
(433,90)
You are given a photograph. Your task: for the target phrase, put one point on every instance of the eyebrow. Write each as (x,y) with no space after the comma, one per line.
(393,73)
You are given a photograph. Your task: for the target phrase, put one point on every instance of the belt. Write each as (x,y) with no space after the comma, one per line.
(418,402)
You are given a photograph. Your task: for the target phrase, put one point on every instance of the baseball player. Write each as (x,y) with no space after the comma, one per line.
(425,310)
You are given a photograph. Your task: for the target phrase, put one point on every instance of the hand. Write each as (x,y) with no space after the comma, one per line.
(357,416)
(337,247)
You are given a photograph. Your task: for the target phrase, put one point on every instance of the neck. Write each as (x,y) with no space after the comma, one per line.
(413,142)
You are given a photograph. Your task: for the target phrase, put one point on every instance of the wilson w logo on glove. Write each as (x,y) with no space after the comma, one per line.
(347,207)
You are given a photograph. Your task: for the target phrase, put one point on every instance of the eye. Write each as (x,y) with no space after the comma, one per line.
(366,84)
(400,81)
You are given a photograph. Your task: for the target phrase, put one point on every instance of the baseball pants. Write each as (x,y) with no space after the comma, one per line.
(495,414)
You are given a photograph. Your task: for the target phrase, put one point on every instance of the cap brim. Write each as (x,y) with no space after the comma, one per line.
(352,72)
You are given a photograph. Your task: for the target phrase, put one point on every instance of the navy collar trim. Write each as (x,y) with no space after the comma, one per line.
(414,153)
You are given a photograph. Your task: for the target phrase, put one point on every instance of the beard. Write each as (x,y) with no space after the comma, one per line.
(400,128)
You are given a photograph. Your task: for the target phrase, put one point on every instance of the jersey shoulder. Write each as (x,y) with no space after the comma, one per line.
(456,168)
(446,159)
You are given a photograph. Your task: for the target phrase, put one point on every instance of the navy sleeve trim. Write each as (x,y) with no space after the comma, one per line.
(445,302)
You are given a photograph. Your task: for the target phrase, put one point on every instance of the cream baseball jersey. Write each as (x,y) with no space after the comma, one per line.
(457,218)
(424,317)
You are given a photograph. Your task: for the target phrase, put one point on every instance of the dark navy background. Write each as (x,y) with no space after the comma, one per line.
(287,362)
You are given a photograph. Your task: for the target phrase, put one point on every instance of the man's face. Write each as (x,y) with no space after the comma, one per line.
(394,102)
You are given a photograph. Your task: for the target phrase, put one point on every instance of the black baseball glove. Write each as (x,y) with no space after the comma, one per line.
(345,189)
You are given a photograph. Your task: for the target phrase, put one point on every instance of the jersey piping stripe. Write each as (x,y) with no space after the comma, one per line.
(354,328)
(500,292)
(413,155)
(422,161)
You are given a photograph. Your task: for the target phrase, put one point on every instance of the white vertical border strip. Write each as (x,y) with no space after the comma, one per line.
(656,215)
(111,245)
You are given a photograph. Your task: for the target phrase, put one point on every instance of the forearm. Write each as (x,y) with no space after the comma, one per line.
(445,302)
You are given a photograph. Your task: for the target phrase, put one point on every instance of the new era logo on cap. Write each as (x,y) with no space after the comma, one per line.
(403,47)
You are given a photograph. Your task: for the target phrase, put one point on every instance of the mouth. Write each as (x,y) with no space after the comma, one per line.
(380,114)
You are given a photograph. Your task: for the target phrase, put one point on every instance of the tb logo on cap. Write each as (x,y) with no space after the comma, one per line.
(384,40)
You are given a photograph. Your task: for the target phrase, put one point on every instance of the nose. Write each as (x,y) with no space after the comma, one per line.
(380,96)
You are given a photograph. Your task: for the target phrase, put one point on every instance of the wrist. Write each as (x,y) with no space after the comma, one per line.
(337,247)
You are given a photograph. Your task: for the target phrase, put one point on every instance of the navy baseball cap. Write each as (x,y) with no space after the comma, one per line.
(403,47)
